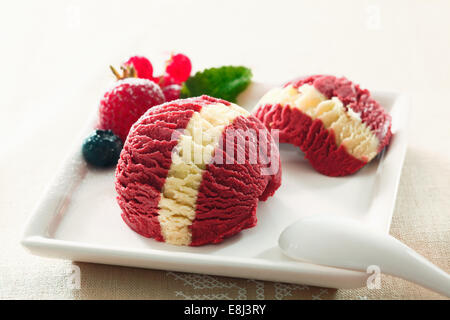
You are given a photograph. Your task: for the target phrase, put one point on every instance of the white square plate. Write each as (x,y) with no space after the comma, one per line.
(78,217)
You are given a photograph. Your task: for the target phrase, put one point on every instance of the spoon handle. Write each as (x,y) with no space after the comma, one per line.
(403,262)
(348,244)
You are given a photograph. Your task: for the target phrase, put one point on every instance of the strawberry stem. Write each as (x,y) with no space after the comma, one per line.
(116,74)
(127,72)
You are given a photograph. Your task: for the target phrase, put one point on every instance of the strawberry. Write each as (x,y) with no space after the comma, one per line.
(126,101)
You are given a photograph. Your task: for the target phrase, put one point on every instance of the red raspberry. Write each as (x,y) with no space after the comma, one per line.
(179,67)
(166,80)
(142,65)
(122,105)
(172,92)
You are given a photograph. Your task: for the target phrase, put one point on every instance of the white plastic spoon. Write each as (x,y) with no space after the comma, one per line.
(345,243)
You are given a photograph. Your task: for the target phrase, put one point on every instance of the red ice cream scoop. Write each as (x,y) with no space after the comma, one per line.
(192,171)
(338,125)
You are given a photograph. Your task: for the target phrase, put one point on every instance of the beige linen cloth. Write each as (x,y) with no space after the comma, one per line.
(56,54)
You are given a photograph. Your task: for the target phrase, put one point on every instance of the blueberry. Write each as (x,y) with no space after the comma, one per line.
(102,148)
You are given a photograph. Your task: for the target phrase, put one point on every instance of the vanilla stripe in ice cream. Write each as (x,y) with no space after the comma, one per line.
(349,130)
(194,151)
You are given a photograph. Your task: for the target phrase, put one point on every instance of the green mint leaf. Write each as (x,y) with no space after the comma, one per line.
(225,83)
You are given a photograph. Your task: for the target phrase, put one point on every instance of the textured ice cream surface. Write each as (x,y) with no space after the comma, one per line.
(335,122)
(175,180)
